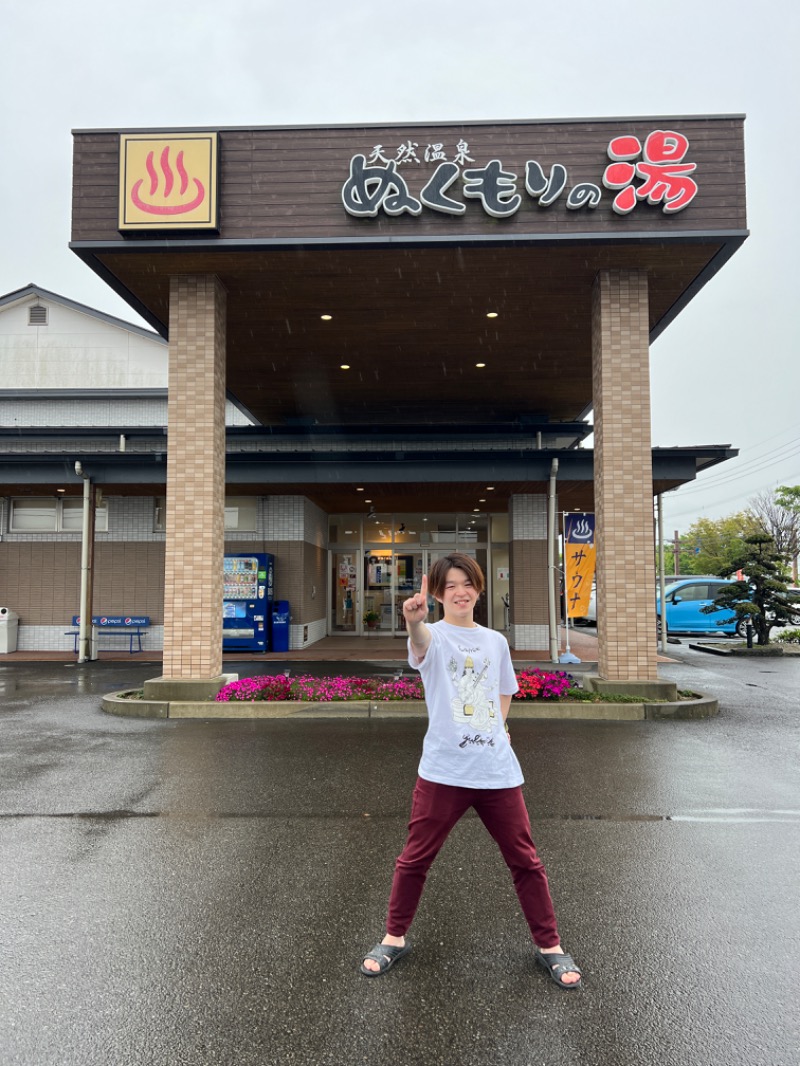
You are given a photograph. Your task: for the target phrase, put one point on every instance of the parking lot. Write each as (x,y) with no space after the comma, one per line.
(201,892)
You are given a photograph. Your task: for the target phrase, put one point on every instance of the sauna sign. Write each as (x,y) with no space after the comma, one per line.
(653,172)
(168,181)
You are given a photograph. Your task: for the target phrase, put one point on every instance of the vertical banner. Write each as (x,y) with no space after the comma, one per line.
(579,559)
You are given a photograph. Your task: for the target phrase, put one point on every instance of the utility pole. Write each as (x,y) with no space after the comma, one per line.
(676,552)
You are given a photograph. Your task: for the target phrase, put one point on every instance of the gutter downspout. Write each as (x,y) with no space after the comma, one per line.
(551,563)
(85,642)
(661,577)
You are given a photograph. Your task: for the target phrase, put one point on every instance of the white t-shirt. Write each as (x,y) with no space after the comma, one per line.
(464,672)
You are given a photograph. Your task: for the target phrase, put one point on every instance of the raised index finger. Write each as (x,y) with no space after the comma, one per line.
(423,588)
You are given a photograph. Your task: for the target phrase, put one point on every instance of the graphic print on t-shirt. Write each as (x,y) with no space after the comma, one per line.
(471,705)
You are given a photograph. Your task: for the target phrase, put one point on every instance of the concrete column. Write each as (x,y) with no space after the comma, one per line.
(527,548)
(195,490)
(623,477)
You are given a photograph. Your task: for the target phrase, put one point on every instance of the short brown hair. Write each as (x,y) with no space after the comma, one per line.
(437,578)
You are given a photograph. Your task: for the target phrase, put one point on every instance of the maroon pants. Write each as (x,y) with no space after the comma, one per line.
(435,810)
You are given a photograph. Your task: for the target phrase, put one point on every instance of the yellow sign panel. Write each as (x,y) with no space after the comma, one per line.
(168,181)
(579,562)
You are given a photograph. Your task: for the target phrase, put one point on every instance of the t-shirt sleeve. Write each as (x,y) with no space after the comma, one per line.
(508,679)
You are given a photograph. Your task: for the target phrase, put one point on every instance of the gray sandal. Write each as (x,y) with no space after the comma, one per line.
(557,965)
(386,955)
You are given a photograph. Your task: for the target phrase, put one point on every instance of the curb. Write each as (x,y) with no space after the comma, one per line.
(704,707)
(757,651)
(115,703)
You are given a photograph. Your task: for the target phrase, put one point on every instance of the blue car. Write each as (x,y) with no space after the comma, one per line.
(685,600)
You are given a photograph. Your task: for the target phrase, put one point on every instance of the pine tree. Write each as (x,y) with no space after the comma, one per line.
(762,596)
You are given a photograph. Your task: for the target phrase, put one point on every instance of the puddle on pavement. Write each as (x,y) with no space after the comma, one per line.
(728,817)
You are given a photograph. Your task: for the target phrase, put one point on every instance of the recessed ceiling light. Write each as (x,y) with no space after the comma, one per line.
(326,318)
(476,510)
(61,490)
(491,314)
(344,366)
(480,365)
(482,499)
(359,490)
(490,488)
(367,501)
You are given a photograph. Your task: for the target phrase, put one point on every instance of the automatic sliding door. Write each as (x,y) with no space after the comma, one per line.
(344,595)
(408,573)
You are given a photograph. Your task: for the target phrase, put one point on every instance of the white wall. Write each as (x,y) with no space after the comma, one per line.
(76,350)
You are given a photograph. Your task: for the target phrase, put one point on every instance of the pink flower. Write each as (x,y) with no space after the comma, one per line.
(533,684)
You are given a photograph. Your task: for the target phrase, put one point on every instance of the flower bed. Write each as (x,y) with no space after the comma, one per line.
(533,685)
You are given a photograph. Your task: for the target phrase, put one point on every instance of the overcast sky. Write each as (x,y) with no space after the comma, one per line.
(725,372)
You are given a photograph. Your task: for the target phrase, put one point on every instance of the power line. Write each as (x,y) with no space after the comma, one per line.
(691,510)
(742,471)
(759,461)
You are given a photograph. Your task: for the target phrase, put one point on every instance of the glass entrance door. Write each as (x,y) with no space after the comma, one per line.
(390,577)
(344,593)
(408,568)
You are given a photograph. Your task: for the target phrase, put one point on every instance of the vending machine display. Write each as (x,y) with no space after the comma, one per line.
(247,602)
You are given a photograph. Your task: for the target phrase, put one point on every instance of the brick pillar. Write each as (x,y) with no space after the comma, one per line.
(623,477)
(527,552)
(195,479)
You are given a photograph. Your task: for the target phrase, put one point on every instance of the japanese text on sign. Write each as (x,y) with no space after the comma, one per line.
(376,183)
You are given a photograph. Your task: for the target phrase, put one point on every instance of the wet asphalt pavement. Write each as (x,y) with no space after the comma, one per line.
(198,892)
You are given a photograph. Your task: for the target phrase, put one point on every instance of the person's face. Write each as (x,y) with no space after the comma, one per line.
(458,598)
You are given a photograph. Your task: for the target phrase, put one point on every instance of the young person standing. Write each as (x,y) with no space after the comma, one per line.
(467,761)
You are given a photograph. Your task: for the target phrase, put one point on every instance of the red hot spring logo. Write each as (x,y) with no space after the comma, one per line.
(168,181)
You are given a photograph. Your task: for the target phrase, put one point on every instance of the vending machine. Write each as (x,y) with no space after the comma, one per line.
(247,602)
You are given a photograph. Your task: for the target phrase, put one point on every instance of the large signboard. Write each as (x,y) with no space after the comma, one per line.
(439,182)
(654,171)
(168,181)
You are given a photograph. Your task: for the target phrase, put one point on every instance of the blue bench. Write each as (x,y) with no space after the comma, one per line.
(131,627)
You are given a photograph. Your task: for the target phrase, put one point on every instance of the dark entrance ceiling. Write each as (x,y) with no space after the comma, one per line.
(411,324)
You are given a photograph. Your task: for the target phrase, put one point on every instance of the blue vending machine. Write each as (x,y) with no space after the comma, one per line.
(247,602)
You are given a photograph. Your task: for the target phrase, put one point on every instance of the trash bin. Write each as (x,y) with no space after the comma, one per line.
(8,630)
(280,626)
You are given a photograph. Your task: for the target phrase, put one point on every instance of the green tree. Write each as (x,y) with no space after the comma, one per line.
(780,522)
(762,596)
(711,544)
(788,497)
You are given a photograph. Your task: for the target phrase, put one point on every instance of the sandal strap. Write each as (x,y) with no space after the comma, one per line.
(380,952)
(566,969)
(559,963)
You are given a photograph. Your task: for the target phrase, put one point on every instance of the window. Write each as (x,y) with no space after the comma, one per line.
(690,593)
(241,513)
(52,515)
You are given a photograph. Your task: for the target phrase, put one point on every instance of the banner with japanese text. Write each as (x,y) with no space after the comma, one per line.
(579,560)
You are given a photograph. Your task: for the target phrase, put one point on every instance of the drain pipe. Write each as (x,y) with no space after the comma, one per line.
(85,628)
(551,563)
(661,579)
